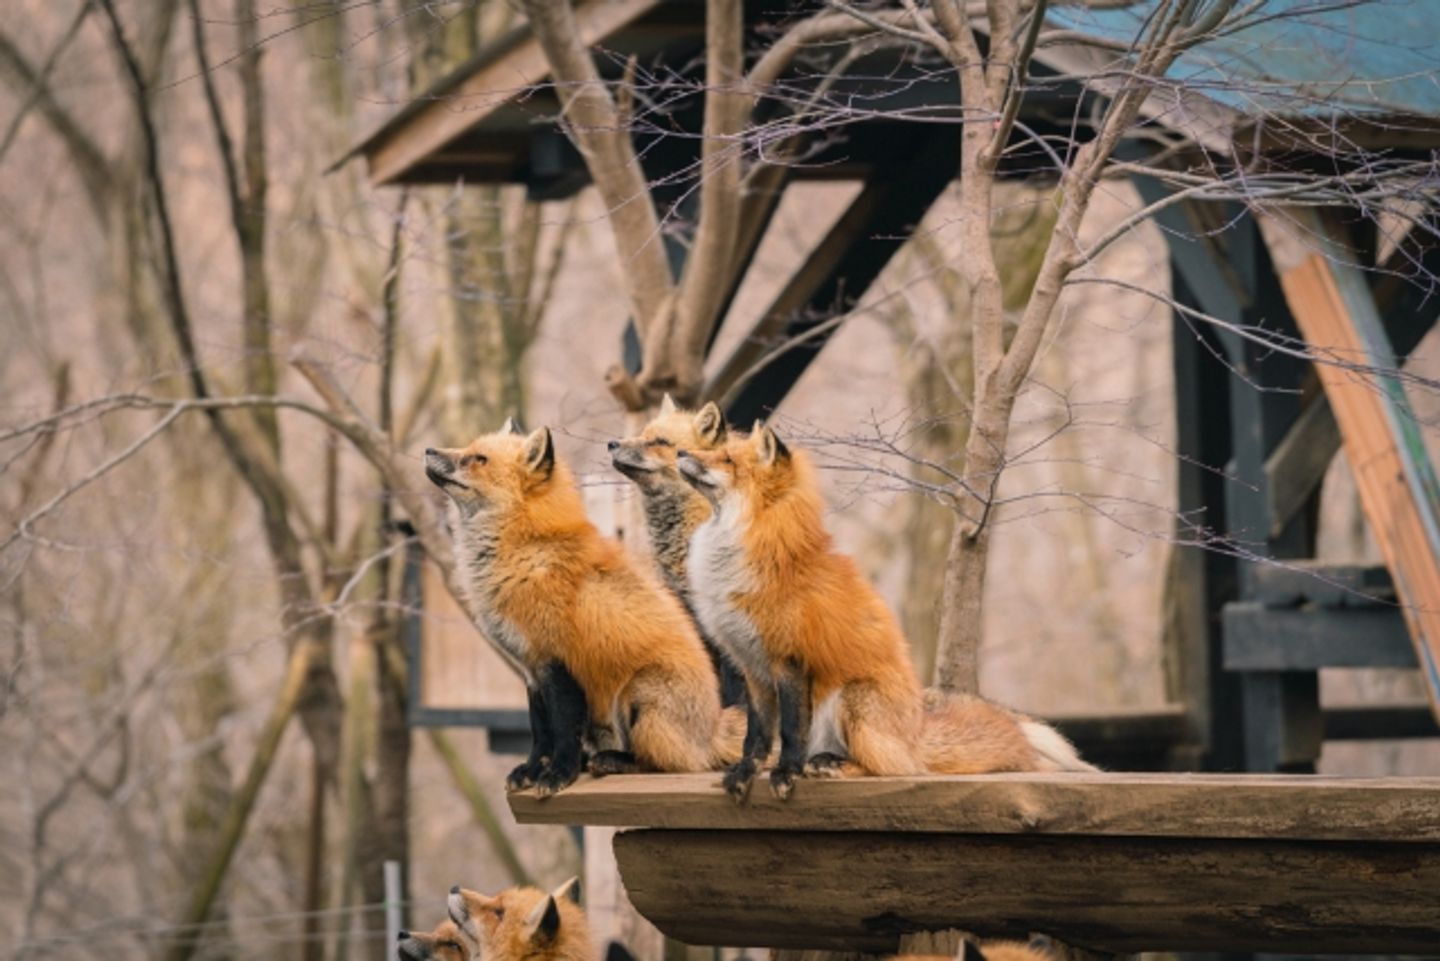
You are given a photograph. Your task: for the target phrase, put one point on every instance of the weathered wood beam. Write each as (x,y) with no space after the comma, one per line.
(864,890)
(1259,638)
(1332,304)
(1237,806)
(1294,470)
(507,70)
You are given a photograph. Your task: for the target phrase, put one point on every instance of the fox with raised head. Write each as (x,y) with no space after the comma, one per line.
(673,509)
(523,924)
(596,635)
(769,586)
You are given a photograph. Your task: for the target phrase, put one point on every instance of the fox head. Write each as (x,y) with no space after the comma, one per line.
(649,458)
(444,943)
(522,923)
(496,472)
(758,469)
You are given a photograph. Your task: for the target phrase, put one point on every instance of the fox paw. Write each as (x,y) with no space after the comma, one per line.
(782,782)
(524,775)
(738,778)
(613,762)
(826,764)
(553,780)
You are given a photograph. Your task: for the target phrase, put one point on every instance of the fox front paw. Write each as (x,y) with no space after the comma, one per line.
(738,778)
(525,775)
(782,781)
(553,780)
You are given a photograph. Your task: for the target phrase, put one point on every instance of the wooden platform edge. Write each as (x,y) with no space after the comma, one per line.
(1296,807)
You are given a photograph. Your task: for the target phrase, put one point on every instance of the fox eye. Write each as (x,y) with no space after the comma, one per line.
(499,914)
(469,459)
(659,442)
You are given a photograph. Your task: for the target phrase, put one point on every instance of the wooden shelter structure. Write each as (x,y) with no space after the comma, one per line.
(1178,862)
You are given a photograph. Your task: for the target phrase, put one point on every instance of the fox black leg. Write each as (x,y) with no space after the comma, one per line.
(760,711)
(542,739)
(568,717)
(732,682)
(794,693)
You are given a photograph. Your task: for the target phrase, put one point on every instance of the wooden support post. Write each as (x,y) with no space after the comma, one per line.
(1398,489)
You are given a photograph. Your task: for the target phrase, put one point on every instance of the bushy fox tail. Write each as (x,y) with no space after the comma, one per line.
(1056,753)
(729,741)
(963,734)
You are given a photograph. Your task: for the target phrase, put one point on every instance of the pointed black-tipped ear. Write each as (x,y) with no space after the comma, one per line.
(972,951)
(770,447)
(710,425)
(512,426)
(570,889)
(667,405)
(540,452)
(543,922)
(618,952)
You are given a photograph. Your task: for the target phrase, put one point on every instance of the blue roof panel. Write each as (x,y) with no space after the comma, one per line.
(1311,57)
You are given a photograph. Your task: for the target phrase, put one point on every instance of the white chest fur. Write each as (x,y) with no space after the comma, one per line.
(718,574)
(476,553)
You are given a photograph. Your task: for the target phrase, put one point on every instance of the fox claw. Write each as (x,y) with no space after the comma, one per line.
(782,783)
(738,779)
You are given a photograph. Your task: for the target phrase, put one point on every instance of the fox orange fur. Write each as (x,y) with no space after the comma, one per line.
(551,590)
(673,509)
(770,587)
(523,924)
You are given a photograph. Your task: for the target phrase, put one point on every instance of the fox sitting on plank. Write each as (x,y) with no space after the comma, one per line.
(769,587)
(597,637)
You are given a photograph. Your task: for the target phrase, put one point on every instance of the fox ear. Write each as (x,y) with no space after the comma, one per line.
(770,447)
(540,452)
(570,889)
(511,426)
(710,425)
(543,923)
(971,952)
(667,405)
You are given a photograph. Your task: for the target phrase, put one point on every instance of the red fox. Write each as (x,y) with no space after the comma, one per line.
(524,924)
(444,943)
(590,628)
(769,586)
(673,510)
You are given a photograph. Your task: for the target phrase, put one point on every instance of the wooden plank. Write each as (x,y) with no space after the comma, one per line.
(1150,805)
(1259,638)
(494,82)
(862,890)
(1399,493)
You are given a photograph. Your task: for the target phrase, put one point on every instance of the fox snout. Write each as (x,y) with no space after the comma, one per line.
(439,467)
(410,948)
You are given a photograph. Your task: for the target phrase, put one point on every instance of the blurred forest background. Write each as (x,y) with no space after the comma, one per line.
(151,621)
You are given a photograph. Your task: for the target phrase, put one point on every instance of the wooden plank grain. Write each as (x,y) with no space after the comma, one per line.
(1122,805)
(862,890)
